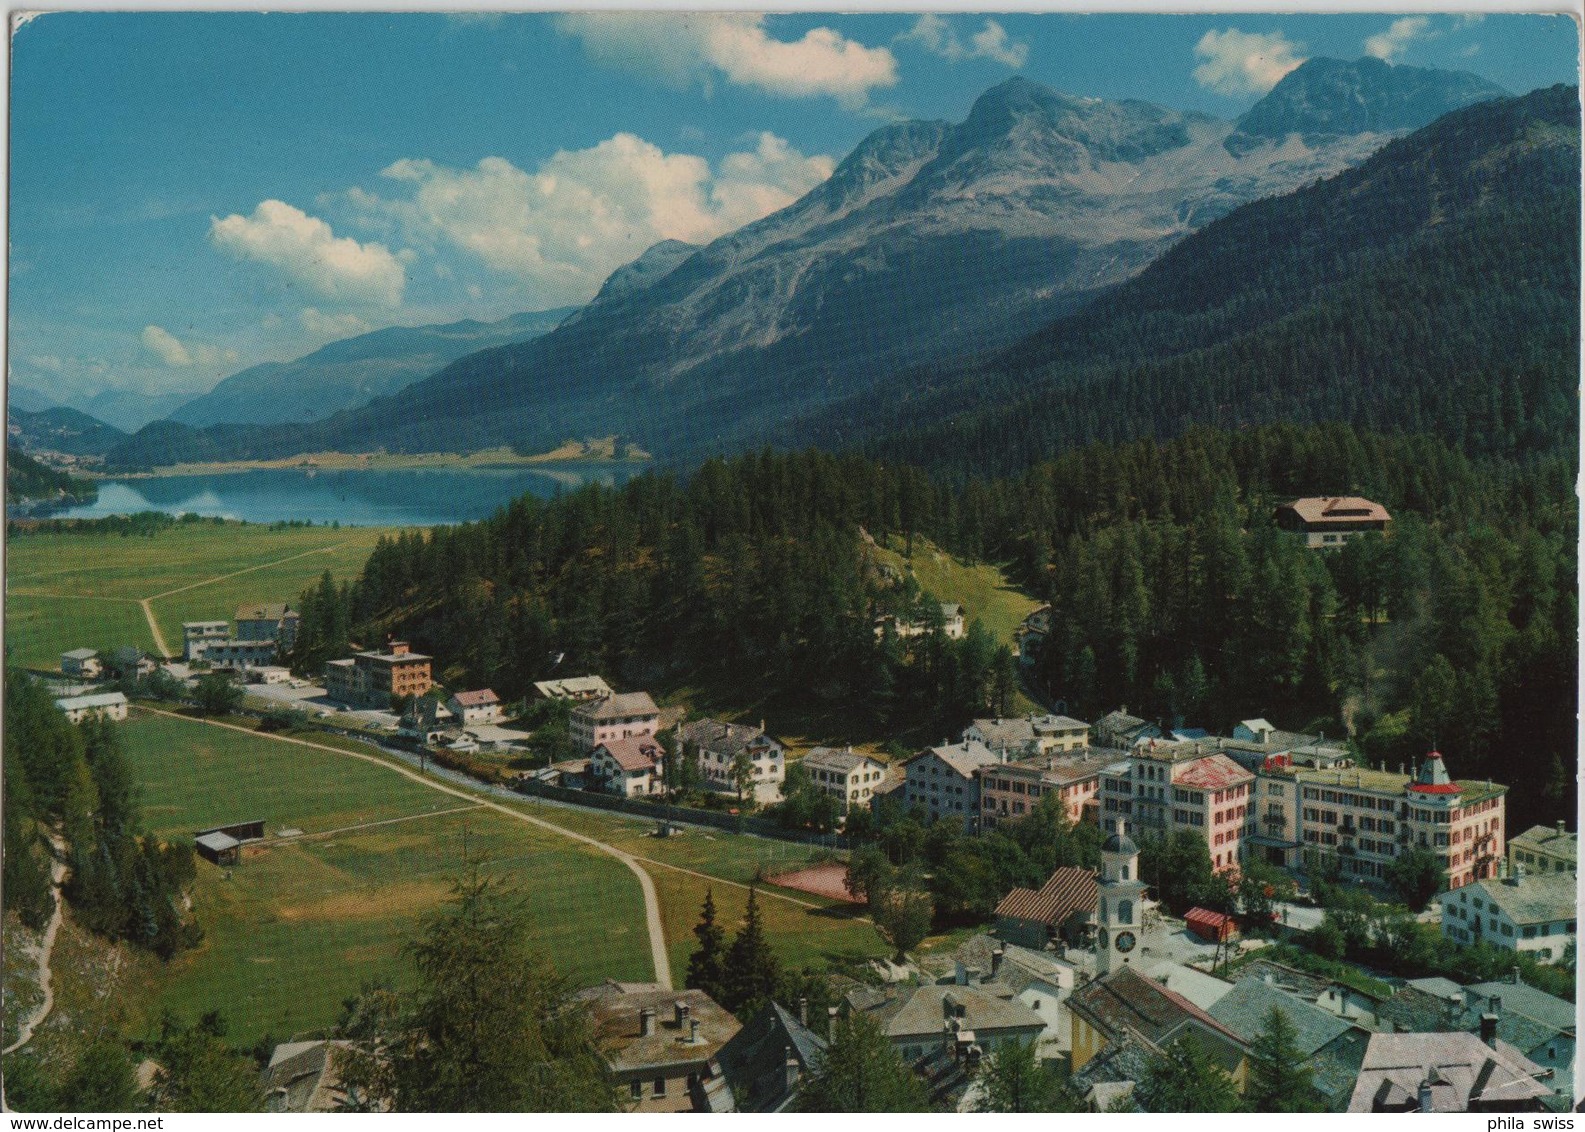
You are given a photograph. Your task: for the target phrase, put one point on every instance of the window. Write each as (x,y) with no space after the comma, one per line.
(637,1090)
(660,1086)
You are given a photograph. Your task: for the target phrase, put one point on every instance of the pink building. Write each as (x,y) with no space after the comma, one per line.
(624,716)
(1162,787)
(1010,791)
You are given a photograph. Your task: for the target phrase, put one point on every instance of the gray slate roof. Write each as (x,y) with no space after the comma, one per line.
(830,758)
(1545,838)
(1521,998)
(964,758)
(1536,899)
(1244,1009)
(922,1010)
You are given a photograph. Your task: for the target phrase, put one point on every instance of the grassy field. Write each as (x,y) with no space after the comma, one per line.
(982,590)
(304,922)
(80,590)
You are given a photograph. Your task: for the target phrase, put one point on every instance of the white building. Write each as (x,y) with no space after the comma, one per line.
(1545,849)
(848,777)
(1520,912)
(109,705)
(82,663)
(199,633)
(628,767)
(715,746)
(481,706)
(625,716)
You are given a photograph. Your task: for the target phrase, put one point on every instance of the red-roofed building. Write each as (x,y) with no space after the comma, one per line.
(1216,927)
(1063,906)
(481,706)
(1164,787)
(1330,521)
(629,767)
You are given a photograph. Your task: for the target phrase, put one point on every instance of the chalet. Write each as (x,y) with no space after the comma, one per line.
(1443,1072)
(629,767)
(576,688)
(850,778)
(662,1046)
(372,679)
(82,663)
(104,705)
(716,746)
(424,720)
(617,716)
(481,706)
(942,782)
(1061,909)
(1544,849)
(306,1077)
(268,621)
(1330,521)
(1122,731)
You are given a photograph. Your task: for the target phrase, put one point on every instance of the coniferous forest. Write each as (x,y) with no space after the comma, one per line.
(1172,592)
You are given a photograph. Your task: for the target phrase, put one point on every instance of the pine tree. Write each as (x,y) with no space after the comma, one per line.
(1014,1079)
(861,1072)
(1280,1079)
(707,965)
(1183,1078)
(752,969)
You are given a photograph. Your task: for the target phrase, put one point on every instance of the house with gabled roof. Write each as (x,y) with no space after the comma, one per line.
(765,1062)
(942,781)
(715,746)
(1545,849)
(1120,730)
(1448,1072)
(630,767)
(1520,912)
(1333,1047)
(1328,521)
(481,705)
(623,715)
(1127,1004)
(1062,908)
(944,1018)
(849,777)
(82,663)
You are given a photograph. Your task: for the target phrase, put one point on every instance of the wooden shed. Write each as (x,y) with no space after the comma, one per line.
(1213,926)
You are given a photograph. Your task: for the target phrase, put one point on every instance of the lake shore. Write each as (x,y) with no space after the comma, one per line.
(583,453)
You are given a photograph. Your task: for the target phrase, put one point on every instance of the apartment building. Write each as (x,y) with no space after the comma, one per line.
(942,782)
(1162,787)
(848,777)
(370,679)
(624,716)
(1011,790)
(1367,817)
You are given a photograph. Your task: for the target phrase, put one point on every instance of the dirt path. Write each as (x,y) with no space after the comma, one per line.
(367,825)
(657,935)
(248,570)
(154,628)
(28,1025)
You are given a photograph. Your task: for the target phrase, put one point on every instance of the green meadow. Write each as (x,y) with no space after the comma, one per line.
(80,590)
(304,922)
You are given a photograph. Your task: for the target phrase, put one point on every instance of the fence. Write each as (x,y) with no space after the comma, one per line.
(663,811)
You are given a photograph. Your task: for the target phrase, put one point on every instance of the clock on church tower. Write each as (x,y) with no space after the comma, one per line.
(1119,902)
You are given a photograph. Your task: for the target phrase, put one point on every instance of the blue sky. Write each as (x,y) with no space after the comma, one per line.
(195,193)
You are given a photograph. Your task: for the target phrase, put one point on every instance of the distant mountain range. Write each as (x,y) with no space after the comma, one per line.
(929,241)
(1434,288)
(353,371)
(59,429)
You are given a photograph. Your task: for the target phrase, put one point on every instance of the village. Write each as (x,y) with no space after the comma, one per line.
(1098,970)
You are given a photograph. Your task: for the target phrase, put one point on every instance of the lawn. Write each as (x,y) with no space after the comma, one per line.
(56,583)
(302,923)
(39,629)
(984,592)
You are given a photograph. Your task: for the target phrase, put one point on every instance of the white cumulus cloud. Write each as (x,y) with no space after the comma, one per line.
(1388,45)
(936,35)
(173,352)
(681,48)
(304,248)
(562,229)
(1238,63)
(331,326)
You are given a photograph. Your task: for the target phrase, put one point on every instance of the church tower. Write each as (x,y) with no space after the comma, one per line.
(1119,905)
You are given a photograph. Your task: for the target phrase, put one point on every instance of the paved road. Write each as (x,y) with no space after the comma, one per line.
(657,935)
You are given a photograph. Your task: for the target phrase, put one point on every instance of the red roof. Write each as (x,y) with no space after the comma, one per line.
(633,753)
(1069,890)
(477,699)
(1208,924)
(1213,772)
